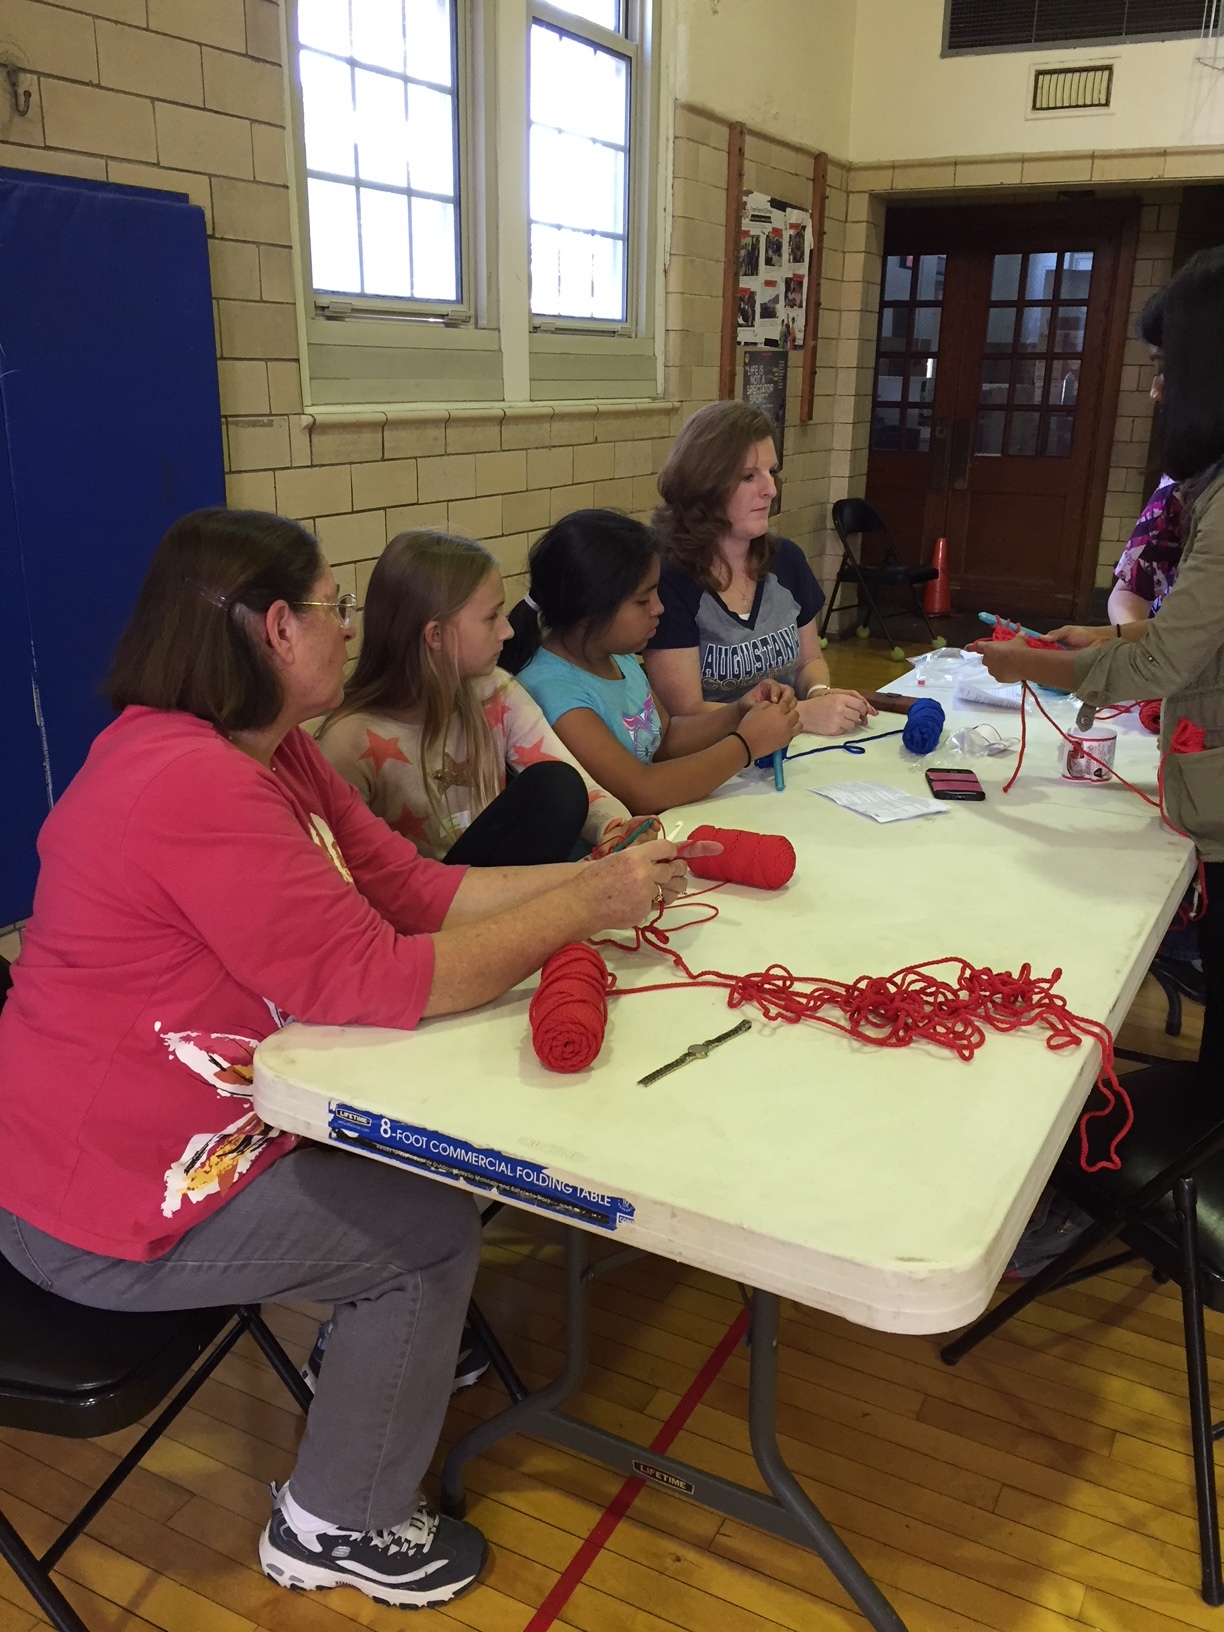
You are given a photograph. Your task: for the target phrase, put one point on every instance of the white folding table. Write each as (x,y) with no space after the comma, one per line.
(888,1186)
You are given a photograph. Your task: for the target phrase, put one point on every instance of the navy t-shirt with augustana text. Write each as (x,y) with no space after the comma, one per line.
(736,653)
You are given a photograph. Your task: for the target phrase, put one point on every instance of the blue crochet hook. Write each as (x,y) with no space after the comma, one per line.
(778,756)
(989,617)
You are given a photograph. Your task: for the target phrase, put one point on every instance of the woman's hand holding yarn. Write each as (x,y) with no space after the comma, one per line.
(1075,636)
(624,889)
(834,713)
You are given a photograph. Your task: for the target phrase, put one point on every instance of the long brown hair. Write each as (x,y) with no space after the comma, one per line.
(697,479)
(421,578)
(193,642)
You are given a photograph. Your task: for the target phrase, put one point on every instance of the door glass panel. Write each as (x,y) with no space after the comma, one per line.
(906,353)
(1039,284)
(1059,430)
(1076,274)
(930,277)
(1022,433)
(1064,383)
(1034,328)
(1069,328)
(1000,328)
(1005,280)
(921,380)
(1030,378)
(898,277)
(996,377)
(926,328)
(894,326)
(1030,386)
(989,439)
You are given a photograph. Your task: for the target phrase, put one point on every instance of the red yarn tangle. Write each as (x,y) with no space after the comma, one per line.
(569,1012)
(913,1005)
(766,861)
(1011,631)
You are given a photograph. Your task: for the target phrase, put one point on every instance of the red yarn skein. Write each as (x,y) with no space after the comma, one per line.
(569,1012)
(1149,715)
(764,860)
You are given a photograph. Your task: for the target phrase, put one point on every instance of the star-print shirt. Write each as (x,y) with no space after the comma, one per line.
(381,757)
(190,902)
(736,653)
(626,706)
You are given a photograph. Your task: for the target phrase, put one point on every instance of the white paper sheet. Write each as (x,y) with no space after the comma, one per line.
(880,801)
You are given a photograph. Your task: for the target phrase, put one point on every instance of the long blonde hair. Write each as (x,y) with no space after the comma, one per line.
(422,577)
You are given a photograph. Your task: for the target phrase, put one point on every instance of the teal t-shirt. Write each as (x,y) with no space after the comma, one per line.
(625,705)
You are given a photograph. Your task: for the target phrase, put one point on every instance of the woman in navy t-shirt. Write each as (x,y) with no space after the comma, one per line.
(739,606)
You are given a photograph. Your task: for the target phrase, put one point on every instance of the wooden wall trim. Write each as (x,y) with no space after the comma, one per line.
(731,243)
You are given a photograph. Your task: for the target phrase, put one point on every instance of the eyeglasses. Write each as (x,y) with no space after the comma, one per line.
(344,608)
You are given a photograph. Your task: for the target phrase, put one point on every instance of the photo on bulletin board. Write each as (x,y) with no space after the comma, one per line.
(764,386)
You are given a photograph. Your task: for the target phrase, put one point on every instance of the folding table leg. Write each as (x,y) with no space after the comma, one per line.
(1186,1201)
(762,1427)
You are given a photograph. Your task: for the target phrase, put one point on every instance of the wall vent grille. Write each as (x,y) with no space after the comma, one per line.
(1056,88)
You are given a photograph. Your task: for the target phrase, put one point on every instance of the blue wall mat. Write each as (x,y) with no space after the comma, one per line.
(113,430)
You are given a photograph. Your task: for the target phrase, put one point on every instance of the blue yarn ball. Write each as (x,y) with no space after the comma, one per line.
(923,726)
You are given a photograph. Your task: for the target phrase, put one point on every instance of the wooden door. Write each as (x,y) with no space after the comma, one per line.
(998,357)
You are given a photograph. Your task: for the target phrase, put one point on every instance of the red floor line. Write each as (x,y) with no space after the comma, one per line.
(625,1497)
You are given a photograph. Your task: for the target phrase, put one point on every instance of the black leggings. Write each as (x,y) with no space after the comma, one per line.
(1211,950)
(538,818)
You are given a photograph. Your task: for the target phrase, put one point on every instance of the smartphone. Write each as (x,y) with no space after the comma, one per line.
(953,784)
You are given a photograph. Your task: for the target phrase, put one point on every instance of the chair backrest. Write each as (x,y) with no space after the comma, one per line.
(856,518)
(6,980)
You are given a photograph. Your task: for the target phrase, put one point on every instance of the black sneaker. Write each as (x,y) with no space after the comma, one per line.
(470,1367)
(428,1560)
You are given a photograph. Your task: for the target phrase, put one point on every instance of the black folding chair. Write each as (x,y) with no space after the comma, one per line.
(1165,1206)
(854,518)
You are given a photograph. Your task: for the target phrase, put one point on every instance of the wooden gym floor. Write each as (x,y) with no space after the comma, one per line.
(1045,1485)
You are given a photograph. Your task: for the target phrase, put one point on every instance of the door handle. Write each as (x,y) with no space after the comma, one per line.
(940,433)
(958,458)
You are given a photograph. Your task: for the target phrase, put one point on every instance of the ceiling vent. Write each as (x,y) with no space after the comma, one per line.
(1057,89)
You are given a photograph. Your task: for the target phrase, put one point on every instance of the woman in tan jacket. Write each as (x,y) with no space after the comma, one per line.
(1178,655)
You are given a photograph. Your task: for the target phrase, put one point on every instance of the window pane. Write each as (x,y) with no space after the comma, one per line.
(886,430)
(576,274)
(989,439)
(1039,284)
(888,379)
(926,328)
(325,25)
(898,276)
(1077,274)
(378,33)
(429,39)
(576,182)
(1034,328)
(1069,328)
(577,87)
(1059,430)
(1030,378)
(384,243)
(917,438)
(607,13)
(434,255)
(1000,328)
(431,153)
(327,114)
(894,325)
(335,260)
(1064,383)
(930,277)
(1005,279)
(1022,433)
(921,387)
(381,134)
(996,377)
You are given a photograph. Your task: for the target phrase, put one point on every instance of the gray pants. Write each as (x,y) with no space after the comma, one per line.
(395,1254)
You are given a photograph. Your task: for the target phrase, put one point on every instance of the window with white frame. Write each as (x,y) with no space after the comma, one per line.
(581,65)
(380,124)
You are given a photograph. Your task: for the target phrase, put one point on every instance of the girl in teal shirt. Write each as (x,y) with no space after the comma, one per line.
(592,605)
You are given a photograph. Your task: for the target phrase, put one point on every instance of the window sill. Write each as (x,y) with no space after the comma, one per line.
(352,416)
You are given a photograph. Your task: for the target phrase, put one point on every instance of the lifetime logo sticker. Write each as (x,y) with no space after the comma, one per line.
(662,1477)
(526,1183)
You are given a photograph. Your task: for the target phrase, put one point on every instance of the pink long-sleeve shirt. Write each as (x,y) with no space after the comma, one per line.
(190,902)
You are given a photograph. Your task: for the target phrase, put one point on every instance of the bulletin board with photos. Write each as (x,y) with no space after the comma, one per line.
(771,292)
